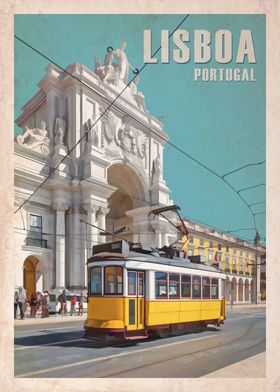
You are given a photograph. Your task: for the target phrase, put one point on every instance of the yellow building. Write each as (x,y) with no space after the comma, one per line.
(236,257)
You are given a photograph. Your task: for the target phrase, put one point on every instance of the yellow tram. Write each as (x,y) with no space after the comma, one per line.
(134,293)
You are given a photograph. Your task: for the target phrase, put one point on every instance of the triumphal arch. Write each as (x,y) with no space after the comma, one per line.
(110,176)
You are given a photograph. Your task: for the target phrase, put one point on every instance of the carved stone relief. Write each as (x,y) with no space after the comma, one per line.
(35,139)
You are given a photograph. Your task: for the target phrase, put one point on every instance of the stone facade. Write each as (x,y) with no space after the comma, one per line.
(241,260)
(103,153)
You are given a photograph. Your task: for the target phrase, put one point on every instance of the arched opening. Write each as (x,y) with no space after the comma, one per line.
(130,194)
(240,290)
(30,276)
(246,290)
(234,289)
(252,291)
(227,289)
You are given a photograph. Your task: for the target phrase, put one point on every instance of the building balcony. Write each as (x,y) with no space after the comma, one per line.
(241,272)
(247,273)
(227,270)
(37,242)
(234,271)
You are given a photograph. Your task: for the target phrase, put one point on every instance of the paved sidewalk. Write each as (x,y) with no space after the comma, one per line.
(51,319)
(253,367)
(246,306)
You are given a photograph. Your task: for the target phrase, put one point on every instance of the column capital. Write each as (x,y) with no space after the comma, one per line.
(75,208)
(103,211)
(90,208)
(60,206)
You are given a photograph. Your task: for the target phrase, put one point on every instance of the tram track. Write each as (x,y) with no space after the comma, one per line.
(227,356)
(203,350)
(223,342)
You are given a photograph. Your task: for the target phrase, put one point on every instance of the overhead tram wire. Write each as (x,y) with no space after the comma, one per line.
(258,202)
(251,187)
(186,217)
(102,114)
(243,167)
(138,121)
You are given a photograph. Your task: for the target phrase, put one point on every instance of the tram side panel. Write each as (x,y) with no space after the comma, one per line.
(163,312)
(106,312)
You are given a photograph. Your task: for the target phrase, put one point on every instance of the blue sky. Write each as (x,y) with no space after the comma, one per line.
(221,124)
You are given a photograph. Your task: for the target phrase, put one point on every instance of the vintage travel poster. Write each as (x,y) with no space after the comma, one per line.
(142,140)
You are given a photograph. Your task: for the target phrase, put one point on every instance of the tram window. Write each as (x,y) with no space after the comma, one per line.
(95,280)
(185,286)
(161,285)
(214,288)
(113,278)
(141,283)
(196,287)
(131,283)
(174,286)
(205,287)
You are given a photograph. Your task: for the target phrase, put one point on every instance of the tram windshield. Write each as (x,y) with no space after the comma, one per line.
(113,280)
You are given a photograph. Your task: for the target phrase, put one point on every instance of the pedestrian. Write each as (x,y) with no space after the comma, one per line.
(15,304)
(63,303)
(21,302)
(82,300)
(39,301)
(45,304)
(73,304)
(33,304)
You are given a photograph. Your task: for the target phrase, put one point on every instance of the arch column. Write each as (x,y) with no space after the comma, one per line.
(102,212)
(60,243)
(77,271)
(244,291)
(92,232)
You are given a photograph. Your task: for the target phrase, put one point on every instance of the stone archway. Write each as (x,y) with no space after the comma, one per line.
(228,288)
(130,194)
(234,289)
(252,291)
(247,298)
(240,290)
(32,278)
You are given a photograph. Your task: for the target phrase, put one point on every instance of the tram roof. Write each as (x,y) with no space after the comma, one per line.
(152,258)
(122,251)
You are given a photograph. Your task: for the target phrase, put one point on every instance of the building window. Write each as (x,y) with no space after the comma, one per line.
(161,285)
(186,286)
(174,286)
(190,250)
(196,287)
(113,279)
(240,264)
(201,242)
(191,239)
(227,249)
(34,237)
(219,247)
(205,287)
(214,288)
(211,244)
(36,226)
(227,260)
(96,280)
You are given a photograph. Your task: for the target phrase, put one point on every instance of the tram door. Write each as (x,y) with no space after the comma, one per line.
(136,301)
